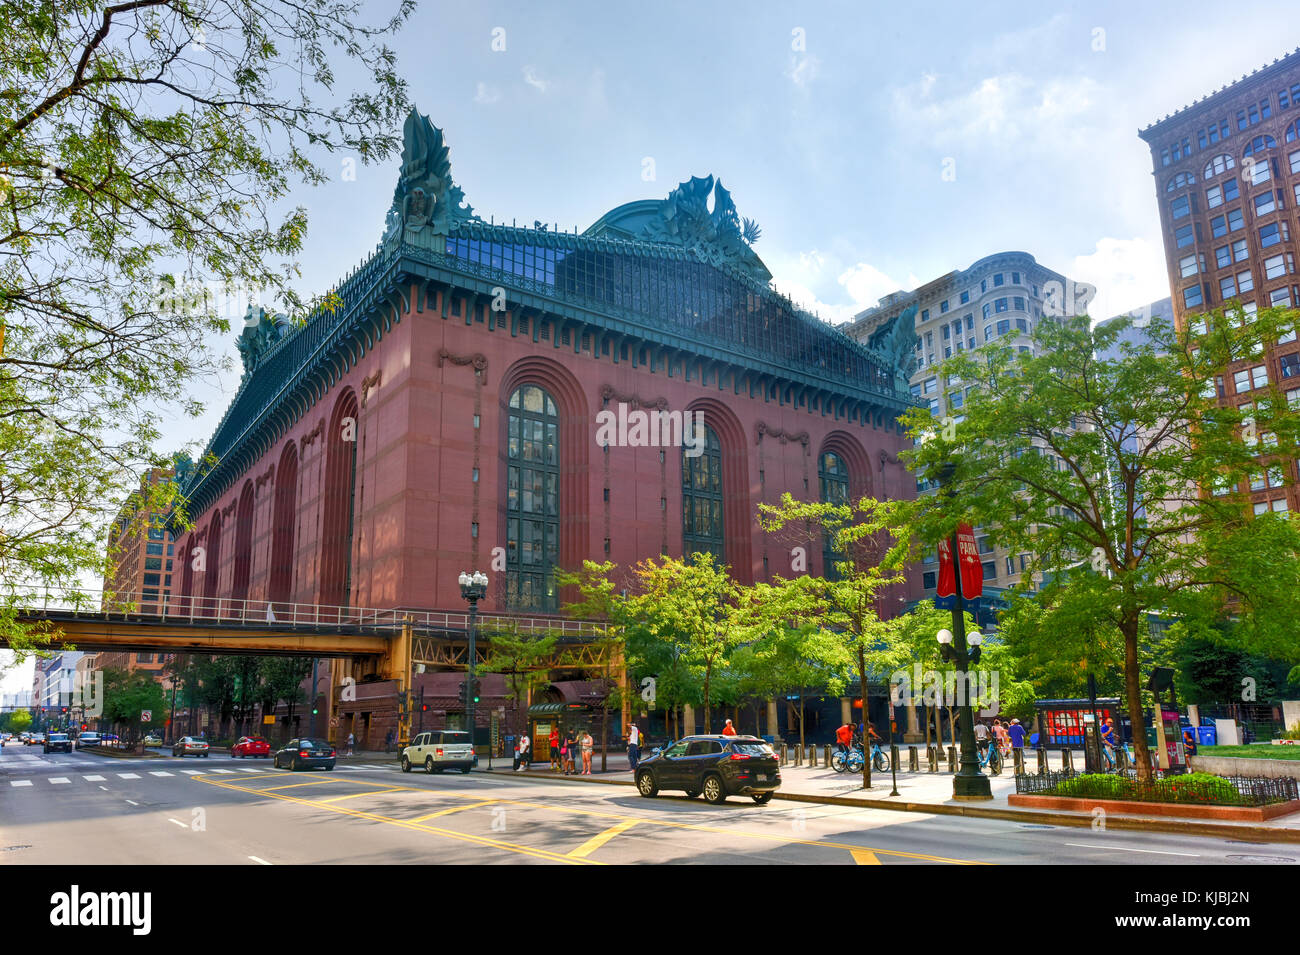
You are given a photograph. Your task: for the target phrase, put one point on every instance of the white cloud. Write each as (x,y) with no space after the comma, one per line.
(535,81)
(484,94)
(1128,274)
(867,285)
(862,283)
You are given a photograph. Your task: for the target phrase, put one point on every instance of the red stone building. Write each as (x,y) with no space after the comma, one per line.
(445,417)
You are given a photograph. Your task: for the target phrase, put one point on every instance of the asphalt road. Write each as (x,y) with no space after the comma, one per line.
(84,809)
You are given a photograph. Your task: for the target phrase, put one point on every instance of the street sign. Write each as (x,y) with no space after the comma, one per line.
(268,720)
(334,722)
(146,716)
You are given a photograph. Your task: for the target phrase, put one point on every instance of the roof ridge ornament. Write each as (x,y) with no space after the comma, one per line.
(427,202)
(716,236)
(262,329)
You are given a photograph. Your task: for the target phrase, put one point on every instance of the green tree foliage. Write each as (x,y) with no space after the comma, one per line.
(147,151)
(282,677)
(1095,465)
(525,661)
(126,696)
(20,721)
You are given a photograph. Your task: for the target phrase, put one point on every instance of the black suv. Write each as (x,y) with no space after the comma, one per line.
(718,766)
(57,743)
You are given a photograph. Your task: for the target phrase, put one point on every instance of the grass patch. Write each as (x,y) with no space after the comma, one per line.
(1202,789)
(1253,751)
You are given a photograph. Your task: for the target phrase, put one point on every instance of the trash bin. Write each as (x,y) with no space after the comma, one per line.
(1206,735)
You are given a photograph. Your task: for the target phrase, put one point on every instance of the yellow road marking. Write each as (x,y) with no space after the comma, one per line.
(865,857)
(314,782)
(406,824)
(447,812)
(595,842)
(373,792)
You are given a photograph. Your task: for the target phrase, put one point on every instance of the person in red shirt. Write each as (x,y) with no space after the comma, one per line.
(843,737)
(728,730)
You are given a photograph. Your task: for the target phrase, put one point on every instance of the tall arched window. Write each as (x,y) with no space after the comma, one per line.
(702,526)
(340,482)
(833,477)
(284,522)
(1259,144)
(532,500)
(212,565)
(243,544)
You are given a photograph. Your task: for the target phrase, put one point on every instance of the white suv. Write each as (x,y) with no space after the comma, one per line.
(437,750)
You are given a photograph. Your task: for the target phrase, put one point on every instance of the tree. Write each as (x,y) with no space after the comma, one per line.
(524,659)
(600,604)
(284,676)
(689,604)
(127,696)
(1113,464)
(875,544)
(19,721)
(146,152)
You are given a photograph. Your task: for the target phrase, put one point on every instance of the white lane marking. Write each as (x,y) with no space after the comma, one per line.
(59,780)
(192,772)
(178,822)
(105,788)
(243,769)
(1158,852)
(127,776)
(161,772)
(230,771)
(21,782)
(259,861)
(93,779)
(133,802)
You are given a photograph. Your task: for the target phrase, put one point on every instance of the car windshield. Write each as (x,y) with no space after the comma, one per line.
(455,737)
(57,737)
(752,749)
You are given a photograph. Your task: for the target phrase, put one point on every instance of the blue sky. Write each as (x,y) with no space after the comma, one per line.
(831,124)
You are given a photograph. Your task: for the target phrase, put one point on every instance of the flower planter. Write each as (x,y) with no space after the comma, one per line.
(1132,807)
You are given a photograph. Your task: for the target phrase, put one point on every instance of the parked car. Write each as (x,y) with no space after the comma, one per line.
(717,766)
(153,741)
(190,746)
(251,746)
(437,750)
(36,739)
(89,739)
(305,754)
(57,743)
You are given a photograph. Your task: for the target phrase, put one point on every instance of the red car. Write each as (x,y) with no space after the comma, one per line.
(251,746)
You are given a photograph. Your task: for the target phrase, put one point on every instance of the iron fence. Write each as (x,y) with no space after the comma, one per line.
(1163,787)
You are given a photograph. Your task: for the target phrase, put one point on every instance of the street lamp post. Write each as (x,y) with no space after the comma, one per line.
(473,587)
(969,783)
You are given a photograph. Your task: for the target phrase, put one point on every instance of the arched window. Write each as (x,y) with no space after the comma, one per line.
(212,565)
(1259,144)
(702,525)
(532,500)
(833,477)
(1293,132)
(243,544)
(1219,165)
(284,523)
(340,483)
(1180,180)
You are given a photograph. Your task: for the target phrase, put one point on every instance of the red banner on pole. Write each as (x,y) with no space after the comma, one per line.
(972,573)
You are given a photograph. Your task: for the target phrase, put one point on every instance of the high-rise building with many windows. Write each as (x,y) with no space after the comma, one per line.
(1227,180)
(998,299)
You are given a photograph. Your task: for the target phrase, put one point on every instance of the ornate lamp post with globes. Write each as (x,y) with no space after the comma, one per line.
(473,587)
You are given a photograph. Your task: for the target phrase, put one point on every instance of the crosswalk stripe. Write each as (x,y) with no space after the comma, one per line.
(160,772)
(93,779)
(59,780)
(127,776)
(20,782)
(228,771)
(192,772)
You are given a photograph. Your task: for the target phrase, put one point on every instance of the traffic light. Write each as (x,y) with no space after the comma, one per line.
(314,711)
(474,689)
(464,697)
(424,707)
(83,727)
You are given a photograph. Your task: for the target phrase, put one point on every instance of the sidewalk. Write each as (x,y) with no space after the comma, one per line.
(928,792)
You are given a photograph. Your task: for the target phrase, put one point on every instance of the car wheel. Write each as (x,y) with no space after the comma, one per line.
(692,793)
(204,755)
(645,784)
(762,798)
(714,792)
(406,764)
(428,765)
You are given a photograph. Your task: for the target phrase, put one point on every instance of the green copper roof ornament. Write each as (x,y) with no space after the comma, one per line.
(262,329)
(427,202)
(716,235)
(897,348)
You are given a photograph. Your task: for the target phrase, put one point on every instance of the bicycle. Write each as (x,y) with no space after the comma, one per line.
(990,756)
(851,761)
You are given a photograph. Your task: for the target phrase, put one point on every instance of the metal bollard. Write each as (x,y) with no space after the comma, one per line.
(1018,761)
(1042,760)
(1121,759)
(932,756)
(913,760)
(812,756)
(1067,761)
(826,755)
(952,759)
(798,755)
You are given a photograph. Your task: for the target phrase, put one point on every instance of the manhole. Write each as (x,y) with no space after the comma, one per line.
(1262,860)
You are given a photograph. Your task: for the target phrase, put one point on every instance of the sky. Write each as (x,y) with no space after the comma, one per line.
(877,145)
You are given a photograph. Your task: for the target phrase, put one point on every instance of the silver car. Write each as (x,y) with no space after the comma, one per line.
(190,746)
(437,750)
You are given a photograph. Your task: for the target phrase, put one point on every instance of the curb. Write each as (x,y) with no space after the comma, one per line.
(1140,823)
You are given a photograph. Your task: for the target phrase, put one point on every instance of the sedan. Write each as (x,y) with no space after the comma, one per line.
(57,743)
(253,746)
(89,739)
(305,754)
(190,746)
(717,766)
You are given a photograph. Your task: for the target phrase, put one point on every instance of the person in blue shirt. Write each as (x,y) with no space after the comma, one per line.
(1016,733)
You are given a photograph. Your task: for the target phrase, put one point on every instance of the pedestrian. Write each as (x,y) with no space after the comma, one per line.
(388,742)
(568,752)
(633,745)
(351,742)
(999,737)
(553,742)
(728,730)
(1016,733)
(523,753)
(588,746)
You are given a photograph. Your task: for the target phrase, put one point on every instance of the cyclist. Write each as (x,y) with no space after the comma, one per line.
(844,737)
(1108,740)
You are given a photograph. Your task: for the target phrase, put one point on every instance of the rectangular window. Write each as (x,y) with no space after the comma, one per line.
(925,314)
(1240,251)
(1214,197)
(1280,297)
(947,332)
(1227,287)
(943,306)
(990,570)
(1295,161)
(1020,303)
(1004,326)
(1259,377)
(1260,171)
(1187,265)
(1235,219)
(1222,257)
(1264,203)
(1001,304)
(931,385)
(1180,208)
(929,580)
(1192,296)
(1218,227)
(1269,236)
(1275,267)
(965,296)
(1290,366)
(1245,282)
(1183,237)
(997,280)
(970,323)
(1278,505)
(1241,381)
(988,309)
